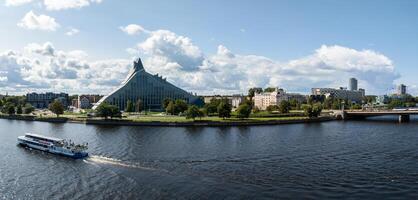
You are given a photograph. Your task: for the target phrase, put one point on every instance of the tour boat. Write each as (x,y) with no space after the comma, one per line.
(53,145)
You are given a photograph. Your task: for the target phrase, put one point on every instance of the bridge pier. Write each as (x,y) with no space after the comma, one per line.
(403,118)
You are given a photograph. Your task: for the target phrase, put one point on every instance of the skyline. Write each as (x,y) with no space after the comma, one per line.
(224,48)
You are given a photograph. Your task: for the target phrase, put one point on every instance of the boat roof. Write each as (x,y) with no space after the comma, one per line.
(44,137)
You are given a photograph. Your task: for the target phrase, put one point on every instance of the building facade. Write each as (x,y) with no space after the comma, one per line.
(150,90)
(265,99)
(235,100)
(401,89)
(352,85)
(341,93)
(353,94)
(86,101)
(42,100)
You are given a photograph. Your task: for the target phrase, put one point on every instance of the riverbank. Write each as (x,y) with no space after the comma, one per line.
(170,122)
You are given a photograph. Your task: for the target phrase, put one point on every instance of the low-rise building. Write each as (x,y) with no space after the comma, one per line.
(265,99)
(86,101)
(235,100)
(382,100)
(42,100)
(341,93)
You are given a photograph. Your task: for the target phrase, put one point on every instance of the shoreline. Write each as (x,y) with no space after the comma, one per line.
(168,124)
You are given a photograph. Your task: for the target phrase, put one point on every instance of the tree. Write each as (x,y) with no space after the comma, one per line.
(212,106)
(270,89)
(193,112)
(114,111)
(312,110)
(8,108)
(166,101)
(129,106)
(224,110)
(19,110)
(170,109)
(180,106)
(252,91)
(272,108)
(396,103)
(105,110)
(243,111)
(56,107)
(138,105)
(295,104)
(28,109)
(284,106)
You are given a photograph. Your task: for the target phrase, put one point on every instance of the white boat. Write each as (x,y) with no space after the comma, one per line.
(53,145)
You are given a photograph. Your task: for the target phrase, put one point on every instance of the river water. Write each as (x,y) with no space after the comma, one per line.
(356,159)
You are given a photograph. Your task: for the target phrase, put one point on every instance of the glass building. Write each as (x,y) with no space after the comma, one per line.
(150,90)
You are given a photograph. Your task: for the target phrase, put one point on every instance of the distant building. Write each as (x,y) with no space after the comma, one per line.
(42,100)
(341,93)
(382,100)
(401,89)
(265,99)
(235,100)
(352,94)
(150,90)
(86,101)
(352,84)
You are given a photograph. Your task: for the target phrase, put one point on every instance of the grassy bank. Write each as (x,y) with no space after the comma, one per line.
(156,119)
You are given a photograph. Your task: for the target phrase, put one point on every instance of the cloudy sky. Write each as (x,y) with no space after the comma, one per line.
(212,47)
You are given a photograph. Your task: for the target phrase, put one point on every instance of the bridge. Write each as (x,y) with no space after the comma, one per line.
(404,115)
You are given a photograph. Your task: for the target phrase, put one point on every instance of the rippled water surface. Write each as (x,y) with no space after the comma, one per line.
(357,159)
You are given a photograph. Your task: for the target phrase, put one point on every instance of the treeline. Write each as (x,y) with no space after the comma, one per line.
(12,105)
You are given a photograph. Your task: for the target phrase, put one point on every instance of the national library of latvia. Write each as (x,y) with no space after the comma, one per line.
(150,90)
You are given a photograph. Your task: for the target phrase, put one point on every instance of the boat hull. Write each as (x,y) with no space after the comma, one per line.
(40,147)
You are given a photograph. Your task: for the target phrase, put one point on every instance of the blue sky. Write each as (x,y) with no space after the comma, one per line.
(334,35)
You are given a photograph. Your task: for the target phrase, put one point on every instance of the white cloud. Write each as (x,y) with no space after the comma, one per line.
(68,4)
(43,67)
(17,2)
(182,62)
(172,48)
(132,29)
(32,21)
(46,49)
(72,31)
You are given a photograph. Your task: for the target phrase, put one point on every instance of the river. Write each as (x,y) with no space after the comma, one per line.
(356,159)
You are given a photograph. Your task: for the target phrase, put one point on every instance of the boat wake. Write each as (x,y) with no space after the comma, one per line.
(112,161)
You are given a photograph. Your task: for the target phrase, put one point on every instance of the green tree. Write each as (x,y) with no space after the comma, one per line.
(396,103)
(19,110)
(269,89)
(243,111)
(166,101)
(8,108)
(114,111)
(252,91)
(138,105)
(106,110)
(224,110)
(180,106)
(295,104)
(129,106)
(193,112)
(56,107)
(170,109)
(272,108)
(28,109)
(103,110)
(212,106)
(284,106)
(312,110)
